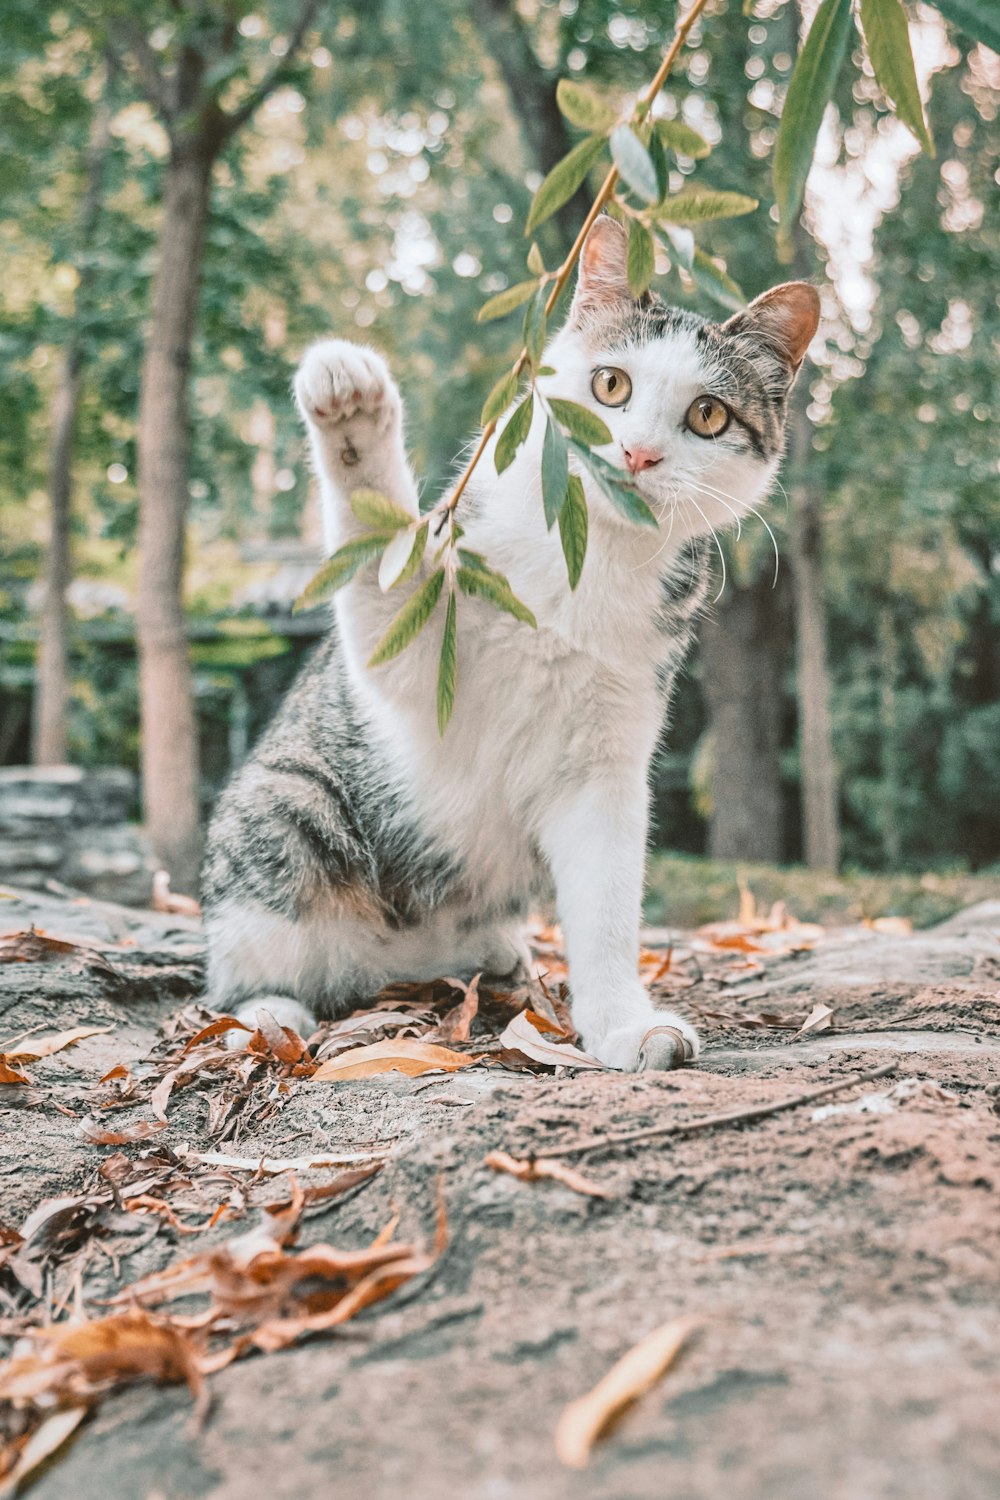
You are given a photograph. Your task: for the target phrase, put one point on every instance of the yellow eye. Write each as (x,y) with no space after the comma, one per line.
(611,387)
(707,417)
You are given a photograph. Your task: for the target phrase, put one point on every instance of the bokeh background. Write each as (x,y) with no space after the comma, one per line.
(843,718)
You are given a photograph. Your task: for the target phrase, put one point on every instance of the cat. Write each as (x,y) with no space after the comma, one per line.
(356,846)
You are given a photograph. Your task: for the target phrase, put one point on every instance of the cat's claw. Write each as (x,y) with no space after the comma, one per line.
(338,381)
(663,1047)
(661,1041)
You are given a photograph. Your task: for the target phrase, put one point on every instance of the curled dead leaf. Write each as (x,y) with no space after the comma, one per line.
(523,1035)
(397,1054)
(140,1130)
(528,1169)
(45,1046)
(584,1420)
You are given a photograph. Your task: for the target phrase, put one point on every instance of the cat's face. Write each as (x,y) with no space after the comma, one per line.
(696,409)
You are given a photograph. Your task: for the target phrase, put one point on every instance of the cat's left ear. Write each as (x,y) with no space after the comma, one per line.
(785,318)
(602,284)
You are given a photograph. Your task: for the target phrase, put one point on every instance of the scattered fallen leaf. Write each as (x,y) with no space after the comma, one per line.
(45,1046)
(530,1170)
(40,1445)
(522,1035)
(74,1360)
(281,1041)
(216,1028)
(458,1023)
(96,1135)
(818,1019)
(584,1420)
(896,926)
(398,1054)
(10,1074)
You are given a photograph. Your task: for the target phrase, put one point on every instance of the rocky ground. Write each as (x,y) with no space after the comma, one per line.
(841,1258)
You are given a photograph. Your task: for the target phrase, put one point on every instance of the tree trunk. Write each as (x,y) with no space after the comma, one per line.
(818,772)
(742,650)
(51,697)
(169,727)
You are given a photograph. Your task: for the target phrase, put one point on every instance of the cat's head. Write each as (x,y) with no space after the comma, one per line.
(696,409)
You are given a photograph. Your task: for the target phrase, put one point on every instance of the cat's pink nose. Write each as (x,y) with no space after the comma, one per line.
(638,458)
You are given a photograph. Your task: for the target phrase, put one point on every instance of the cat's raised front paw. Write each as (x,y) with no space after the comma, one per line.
(660,1041)
(337,381)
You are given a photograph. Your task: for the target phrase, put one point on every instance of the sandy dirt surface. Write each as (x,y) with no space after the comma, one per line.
(844,1257)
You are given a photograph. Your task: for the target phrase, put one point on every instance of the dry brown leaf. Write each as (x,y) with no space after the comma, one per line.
(528,1169)
(119,1071)
(281,1041)
(522,1035)
(74,1360)
(584,1420)
(45,1046)
(40,1445)
(458,1023)
(398,1054)
(216,1028)
(141,1130)
(818,1019)
(10,1074)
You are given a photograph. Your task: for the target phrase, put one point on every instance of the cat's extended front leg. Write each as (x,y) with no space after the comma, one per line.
(354,416)
(595,842)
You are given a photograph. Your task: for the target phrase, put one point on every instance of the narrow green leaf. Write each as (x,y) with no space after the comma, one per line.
(582,423)
(809,92)
(573,526)
(633,162)
(658,157)
(582,107)
(563,181)
(506,301)
(713,279)
(341,568)
(555,471)
(411,619)
(416,556)
(483,583)
(378,511)
(513,434)
(535,261)
(611,481)
(447,666)
(681,139)
(979,19)
(681,243)
(696,205)
(640,258)
(535,324)
(476,560)
(500,397)
(887,36)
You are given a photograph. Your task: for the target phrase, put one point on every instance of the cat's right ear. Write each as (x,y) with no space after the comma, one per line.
(602,285)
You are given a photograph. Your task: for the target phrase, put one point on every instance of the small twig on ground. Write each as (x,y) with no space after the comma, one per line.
(711,1122)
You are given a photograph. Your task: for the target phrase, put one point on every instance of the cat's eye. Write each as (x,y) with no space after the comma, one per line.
(707,417)
(611,387)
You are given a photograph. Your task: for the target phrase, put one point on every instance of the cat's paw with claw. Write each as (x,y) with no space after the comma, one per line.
(338,381)
(660,1041)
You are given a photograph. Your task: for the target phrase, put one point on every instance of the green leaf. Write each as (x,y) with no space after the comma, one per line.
(681,244)
(696,205)
(341,568)
(447,666)
(476,560)
(887,36)
(979,19)
(658,157)
(712,279)
(499,398)
(411,619)
(573,526)
(513,434)
(640,258)
(582,107)
(483,583)
(535,261)
(564,179)
(582,423)
(535,324)
(809,92)
(555,471)
(406,561)
(633,163)
(506,301)
(681,139)
(611,482)
(379,512)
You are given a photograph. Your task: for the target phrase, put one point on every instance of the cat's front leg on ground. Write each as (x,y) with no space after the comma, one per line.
(595,842)
(354,415)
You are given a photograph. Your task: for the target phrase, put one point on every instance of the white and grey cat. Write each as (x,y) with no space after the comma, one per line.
(356,846)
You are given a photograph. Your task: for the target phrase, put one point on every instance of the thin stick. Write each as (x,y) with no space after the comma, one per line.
(565,270)
(712,1122)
